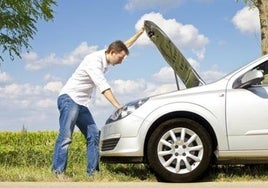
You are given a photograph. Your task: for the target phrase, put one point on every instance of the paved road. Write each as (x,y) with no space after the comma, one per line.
(133,185)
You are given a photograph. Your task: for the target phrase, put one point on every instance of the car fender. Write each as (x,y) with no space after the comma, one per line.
(217,124)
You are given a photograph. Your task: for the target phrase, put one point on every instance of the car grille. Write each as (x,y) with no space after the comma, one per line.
(109,144)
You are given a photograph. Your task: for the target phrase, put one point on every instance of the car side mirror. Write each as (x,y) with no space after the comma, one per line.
(250,78)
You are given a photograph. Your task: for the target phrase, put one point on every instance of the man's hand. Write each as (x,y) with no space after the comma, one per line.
(132,39)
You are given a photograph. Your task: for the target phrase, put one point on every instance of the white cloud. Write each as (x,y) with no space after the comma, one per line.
(185,37)
(29,105)
(165,75)
(164,88)
(212,75)
(78,54)
(26,95)
(35,63)
(5,77)
(15,90)
(247,20)
(128,86)
(46,103)
(50,77)
(54,86)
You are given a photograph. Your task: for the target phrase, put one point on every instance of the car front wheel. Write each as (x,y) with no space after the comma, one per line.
(179,150)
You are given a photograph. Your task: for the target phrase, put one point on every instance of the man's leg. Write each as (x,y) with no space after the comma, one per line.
(69,111)
(89,129)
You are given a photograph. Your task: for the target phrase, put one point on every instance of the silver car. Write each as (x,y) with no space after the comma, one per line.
(179,134)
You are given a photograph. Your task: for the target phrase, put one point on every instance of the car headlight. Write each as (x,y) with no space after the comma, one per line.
(126,110)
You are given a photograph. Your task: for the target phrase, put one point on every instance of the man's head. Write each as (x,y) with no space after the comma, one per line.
(116,52)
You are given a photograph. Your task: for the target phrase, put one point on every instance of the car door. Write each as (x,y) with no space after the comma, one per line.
(247,116)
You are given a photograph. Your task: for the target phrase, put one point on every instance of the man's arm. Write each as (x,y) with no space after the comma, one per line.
(132,39)
(111,98)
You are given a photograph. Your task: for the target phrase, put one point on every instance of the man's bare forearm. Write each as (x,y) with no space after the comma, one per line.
(111,98)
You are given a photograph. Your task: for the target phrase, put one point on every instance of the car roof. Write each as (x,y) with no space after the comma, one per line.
(173,56)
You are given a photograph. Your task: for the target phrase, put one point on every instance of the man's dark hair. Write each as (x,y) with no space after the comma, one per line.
(117,46)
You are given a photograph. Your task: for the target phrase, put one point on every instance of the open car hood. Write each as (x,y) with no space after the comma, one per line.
(173,56)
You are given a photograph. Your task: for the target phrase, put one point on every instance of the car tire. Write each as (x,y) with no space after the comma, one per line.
(179,150)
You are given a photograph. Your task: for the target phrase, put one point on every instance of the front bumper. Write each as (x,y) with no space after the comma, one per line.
(121,150)
(120,147)
(122,138)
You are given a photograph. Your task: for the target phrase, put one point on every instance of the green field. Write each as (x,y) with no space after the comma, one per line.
(26,156)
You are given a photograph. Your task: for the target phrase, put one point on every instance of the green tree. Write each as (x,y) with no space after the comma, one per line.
(17,23)
(262,6)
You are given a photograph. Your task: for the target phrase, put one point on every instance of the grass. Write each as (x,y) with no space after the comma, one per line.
(26,156)
(239,173)
(107,173)
(128,173)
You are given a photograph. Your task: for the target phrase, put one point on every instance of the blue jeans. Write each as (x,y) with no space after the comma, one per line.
(72,114)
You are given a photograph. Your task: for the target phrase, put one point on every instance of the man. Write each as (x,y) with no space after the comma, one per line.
(77,94)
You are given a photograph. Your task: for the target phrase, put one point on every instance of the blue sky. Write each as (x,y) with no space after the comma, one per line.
(216,36)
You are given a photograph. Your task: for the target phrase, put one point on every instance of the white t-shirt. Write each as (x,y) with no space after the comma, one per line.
(88,76)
